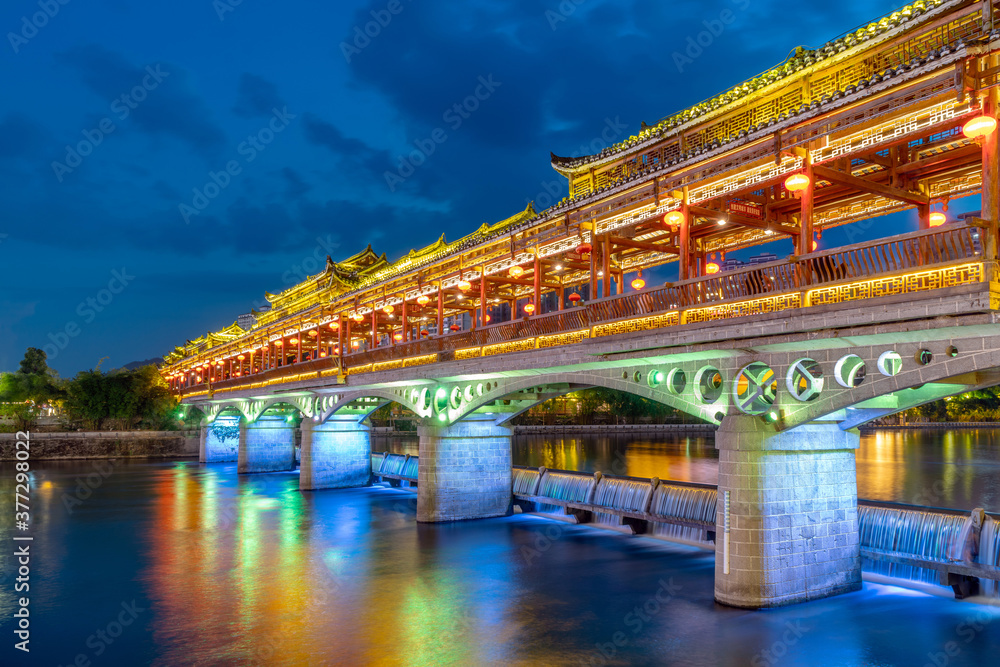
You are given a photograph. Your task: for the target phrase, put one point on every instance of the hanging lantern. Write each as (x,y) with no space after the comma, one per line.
(529,308)
(455,327)
(937,219)
(241,357)
(336,350)
(278,343)
(423,299)
(397,337)
(674,218)
(488,318)
(980,127)
(388,310)
(711,268)
(516,271)
(356,344)
(796,183)
(574,298)
(313,333)
(199,378)
(358,317)
(464,285)
(334,325)
(638,283)
(425,332)
(322,353)
(293,341)
(584,249)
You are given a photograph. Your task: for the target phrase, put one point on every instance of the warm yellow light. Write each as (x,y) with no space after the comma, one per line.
(529,308)
(796,182)
(388,310)
(516,271)
(712,267)
(674,218)
(464,285)
(358,317)
(423,299)
(398,336)
(334,325)
(979,127)
(278,343)
(293,341)
(937,219)
(241,357)
(638,284)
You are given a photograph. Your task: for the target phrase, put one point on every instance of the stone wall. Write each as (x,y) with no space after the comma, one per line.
(104,444)
(268,446)
(464,471)
(335,454)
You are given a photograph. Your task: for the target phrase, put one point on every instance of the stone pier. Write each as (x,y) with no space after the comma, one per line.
(267,445)
(215,449)
(335,454)
(792,513)
(464,470)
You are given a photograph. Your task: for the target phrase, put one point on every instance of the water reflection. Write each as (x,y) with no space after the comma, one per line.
(939,468)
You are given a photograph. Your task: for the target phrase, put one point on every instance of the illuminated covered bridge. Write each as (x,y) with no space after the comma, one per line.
(787,356)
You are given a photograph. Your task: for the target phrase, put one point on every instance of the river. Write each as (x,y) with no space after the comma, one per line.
(211,568)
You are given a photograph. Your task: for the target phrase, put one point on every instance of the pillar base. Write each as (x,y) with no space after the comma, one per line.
(792,517)
(267,445)
(213,449)
(464,471)
(336,454)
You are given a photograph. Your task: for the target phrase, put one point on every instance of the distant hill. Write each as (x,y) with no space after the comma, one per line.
(156,361)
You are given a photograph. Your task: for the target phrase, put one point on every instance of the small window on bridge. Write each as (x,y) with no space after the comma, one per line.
(805,380)
(890,363)
(850,371)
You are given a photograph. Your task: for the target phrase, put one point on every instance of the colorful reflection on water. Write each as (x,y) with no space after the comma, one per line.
(230,569)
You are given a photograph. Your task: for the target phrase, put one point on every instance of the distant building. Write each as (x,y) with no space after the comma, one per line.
(762,258)
(732,264)
(246,320)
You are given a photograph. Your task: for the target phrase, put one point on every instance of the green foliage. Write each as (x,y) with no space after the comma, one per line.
(225,431)
(23,393)
(35,362)
(121,400)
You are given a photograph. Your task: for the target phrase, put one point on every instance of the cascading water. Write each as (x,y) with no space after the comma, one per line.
(564,486)
(930,535)
(393,464)
(683,502)
(989,554)
(622,494)
(377,461)
(525,480)
(410,468)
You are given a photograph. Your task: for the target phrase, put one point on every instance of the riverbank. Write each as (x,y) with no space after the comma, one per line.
(589,429)
(931,425)
(104,445)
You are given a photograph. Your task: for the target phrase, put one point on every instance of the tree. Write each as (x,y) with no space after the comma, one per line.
(24,392)
(120,399)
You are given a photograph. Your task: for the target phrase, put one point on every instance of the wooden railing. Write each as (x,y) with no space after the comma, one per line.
(912,252)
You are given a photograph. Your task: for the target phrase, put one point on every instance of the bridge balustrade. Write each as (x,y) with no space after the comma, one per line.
(915,251)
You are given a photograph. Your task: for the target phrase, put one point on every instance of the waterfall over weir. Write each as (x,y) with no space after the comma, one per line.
(896,539)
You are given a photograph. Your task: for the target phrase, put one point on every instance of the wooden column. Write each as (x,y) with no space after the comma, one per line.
(606,265)
(593,270)
(375,328)
(684,239)
(991,173)
(537,297)
(340,335)
(302,343)
(403,317)
(440,310)
(806,211)
(482,295)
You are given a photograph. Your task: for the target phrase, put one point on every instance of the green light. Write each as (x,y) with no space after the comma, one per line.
(443,417)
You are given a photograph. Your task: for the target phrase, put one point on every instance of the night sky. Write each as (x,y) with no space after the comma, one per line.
(119,120)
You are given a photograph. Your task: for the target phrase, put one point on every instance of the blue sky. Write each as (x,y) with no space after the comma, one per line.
(163,164)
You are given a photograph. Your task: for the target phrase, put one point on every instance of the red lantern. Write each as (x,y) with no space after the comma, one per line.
(358,317)
(455,327)
(464,285)
(712,267)
(334,325)
(797,183)
(937,219)
(423,299)
(584,249)
(516,271)
(398,337)
(574,298)
(425,332)
(529,308)
(980,127)
(674,218)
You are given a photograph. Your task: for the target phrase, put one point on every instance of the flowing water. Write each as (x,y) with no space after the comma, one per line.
(222,569)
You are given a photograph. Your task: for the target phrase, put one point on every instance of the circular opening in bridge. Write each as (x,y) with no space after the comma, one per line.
(755,388)
(488,386)
(676,381)
(890,363)
(469,393)
(850,371)
(952,351)
(440,399)
(425,400)
(805,380)
(637,376)
(624,375)
(655,378)
(708,384)
(923,357)
(479,389)
(455,398)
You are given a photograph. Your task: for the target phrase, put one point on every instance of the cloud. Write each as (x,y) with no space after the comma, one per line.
(321,133)
(171,109)
(256,97)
